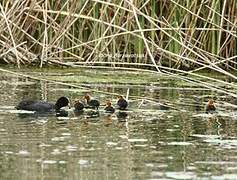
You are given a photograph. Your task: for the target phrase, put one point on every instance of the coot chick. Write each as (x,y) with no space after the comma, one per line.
(91,103)
(210,107)
(122,103)
(109,108)
(42,106)
(78,105)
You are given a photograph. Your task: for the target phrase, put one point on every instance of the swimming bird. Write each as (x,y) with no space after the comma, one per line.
(109,108)
(210,107)
(78,105)
(42,106)
(122,103)
(91,103)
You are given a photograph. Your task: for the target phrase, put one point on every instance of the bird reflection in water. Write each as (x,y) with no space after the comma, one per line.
(62,113)
(122,116)
(108,120)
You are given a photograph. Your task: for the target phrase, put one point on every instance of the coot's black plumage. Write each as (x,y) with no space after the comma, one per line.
(42,106)
(91,103)
(122,103)
(109,108)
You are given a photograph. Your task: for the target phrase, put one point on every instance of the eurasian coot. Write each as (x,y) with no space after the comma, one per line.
(122,103)
(78,105)
(91,103)
(109,108)
(210,107)
(42,106)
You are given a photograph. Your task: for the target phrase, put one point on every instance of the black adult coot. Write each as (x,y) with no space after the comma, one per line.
(78,105)
(122,103)
(109,108)
(210,107)
(42,106)
(91,103)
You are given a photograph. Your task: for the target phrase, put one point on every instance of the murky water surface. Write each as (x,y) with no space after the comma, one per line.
(146,142)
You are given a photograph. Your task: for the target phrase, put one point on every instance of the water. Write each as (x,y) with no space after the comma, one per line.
(146,143)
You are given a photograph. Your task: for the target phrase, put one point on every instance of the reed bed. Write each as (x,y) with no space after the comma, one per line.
(170,37)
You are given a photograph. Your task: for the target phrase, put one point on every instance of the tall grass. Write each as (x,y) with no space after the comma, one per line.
(183,34)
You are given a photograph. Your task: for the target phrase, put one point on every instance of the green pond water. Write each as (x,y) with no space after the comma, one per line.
(145,142)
